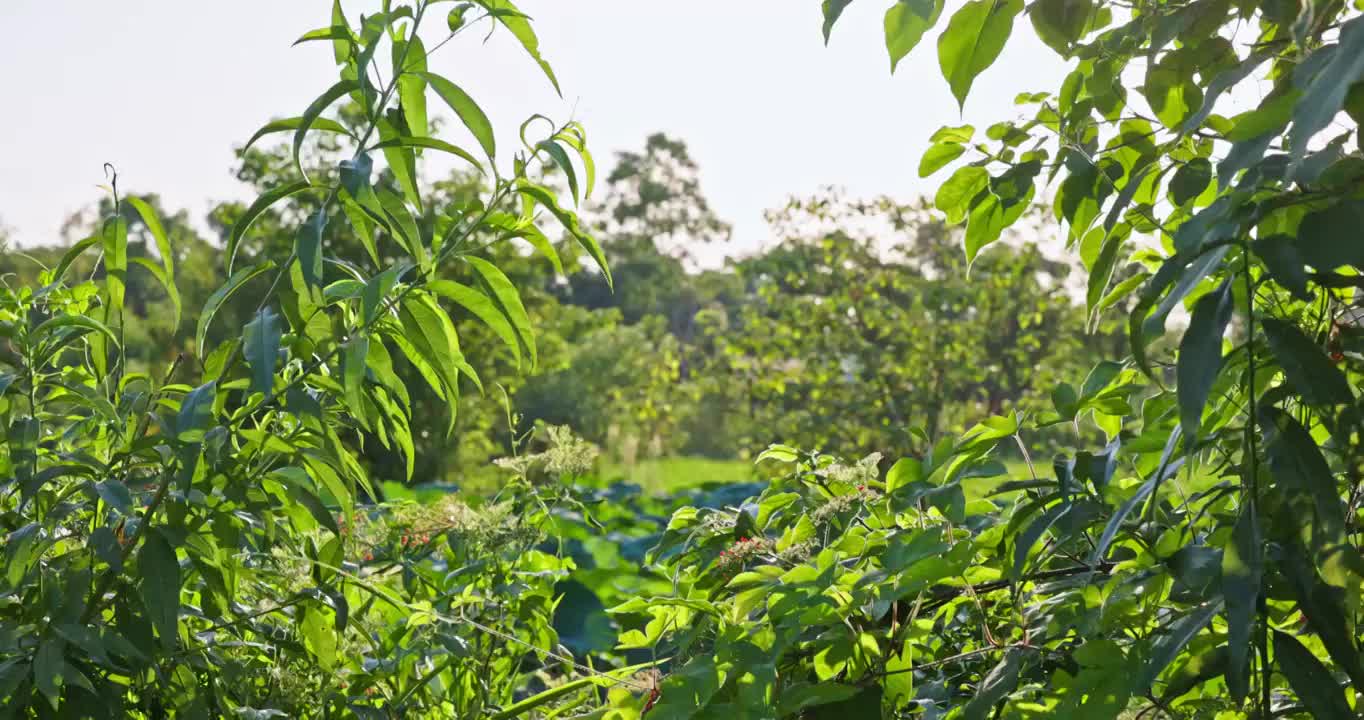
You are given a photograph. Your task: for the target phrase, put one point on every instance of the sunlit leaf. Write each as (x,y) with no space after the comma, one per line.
(974,38)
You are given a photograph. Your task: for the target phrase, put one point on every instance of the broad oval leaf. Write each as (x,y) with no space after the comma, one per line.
(973,40)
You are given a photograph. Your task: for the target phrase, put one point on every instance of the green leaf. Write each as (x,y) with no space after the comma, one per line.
(115,494)
(939,156)
(1167,468)
(1280,255)
(72,253)
(1168,646)
(278,126)
(308,247)
(1223,82)
(1039,527)
(974,38)
(353,363)
(355,173)
(402,162)
(114,231)
(305,496)
(954,195)
(158,231)
(411,53)
(516,22)
(1317,689)
(1197,670)
(1143,324)
(310,117)
(1101,273)
(1242,569)
(903,473)
(561,159)
(455,20)
(508,302)
(262,203)
(832,10)
(196,412)
(433,144)
(83,322)
(468,111)
(1297,463)
(1061,23)
(159,581)
(569,220)
(260,344)
(989,219)
(335,32)
(220,296)
(906,22)
(1327,239)
(432,335)
(995,686)
(23,545)
(1325,96)
(376,291)
(484,308)
(1190,181)
(1305,365)
(798,697)
(167,284)
(49,669)
(527,231)
(1200,356)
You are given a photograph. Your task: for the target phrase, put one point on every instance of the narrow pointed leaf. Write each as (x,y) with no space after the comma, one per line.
(515,22)
(1306,365)
(1242,568)
(1200,356)
(1317,689)
(159,582)
(220,296)
(260,345)
(434,144)
(294,123)
(262,203)
(1168,646)
(310,117)
(468,111)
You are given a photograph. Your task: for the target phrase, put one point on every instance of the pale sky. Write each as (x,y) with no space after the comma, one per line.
(164,89)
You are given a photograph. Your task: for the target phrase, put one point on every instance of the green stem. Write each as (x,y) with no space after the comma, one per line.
(1252,468)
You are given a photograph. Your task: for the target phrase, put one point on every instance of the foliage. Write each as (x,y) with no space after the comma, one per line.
(193,537)
(1111,584)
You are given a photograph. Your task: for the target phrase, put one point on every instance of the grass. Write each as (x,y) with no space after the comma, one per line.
(665,475)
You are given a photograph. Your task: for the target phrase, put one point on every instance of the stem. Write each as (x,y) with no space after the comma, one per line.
(1252,468)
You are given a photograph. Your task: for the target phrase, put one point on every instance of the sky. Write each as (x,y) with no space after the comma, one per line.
(165,89)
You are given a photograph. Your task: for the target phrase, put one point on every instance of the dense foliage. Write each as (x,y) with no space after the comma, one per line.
(193,469)
(191,536)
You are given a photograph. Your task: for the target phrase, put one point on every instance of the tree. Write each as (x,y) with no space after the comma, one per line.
(190,536)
